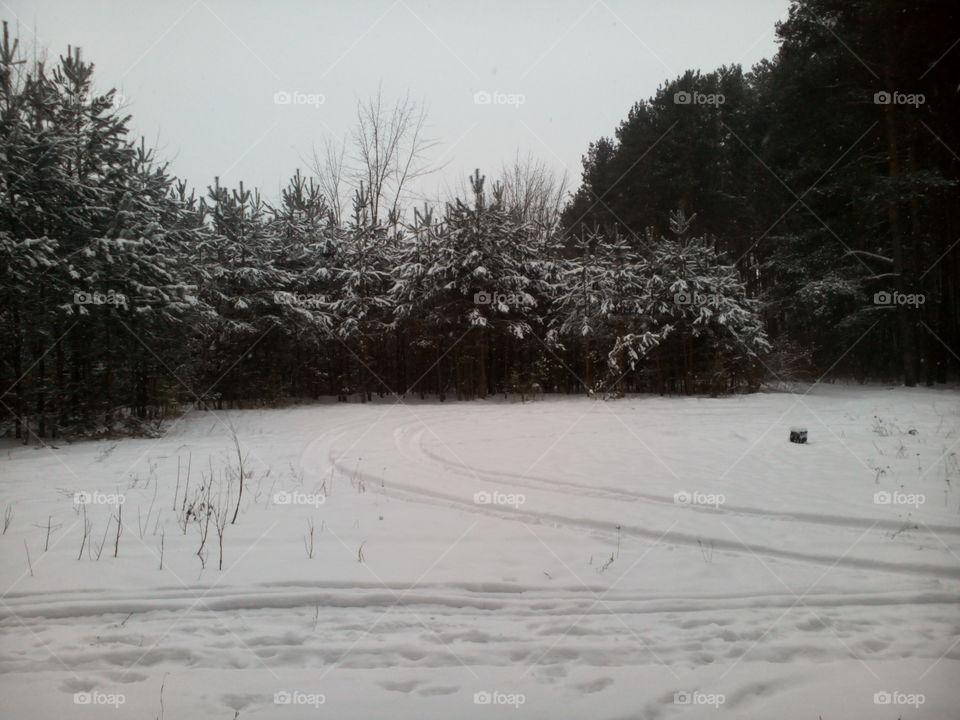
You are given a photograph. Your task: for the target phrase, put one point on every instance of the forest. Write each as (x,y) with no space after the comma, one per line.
(794,221)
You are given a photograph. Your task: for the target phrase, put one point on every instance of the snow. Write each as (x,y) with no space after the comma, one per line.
(563,558)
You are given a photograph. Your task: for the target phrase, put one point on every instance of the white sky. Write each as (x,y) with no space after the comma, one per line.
(200,76)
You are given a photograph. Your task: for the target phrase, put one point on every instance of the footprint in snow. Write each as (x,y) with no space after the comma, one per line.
(404,686)
(76,685)
(594,685)
(240,702)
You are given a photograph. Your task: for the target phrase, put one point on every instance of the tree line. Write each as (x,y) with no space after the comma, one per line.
(739,227)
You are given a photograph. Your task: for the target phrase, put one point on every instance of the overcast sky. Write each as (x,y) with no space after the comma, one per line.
(200,76)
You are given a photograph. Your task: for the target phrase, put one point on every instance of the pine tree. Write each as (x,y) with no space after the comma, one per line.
(361,304)
(92,236)
(698,325)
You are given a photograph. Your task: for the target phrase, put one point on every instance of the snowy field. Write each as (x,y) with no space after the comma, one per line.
(639,559)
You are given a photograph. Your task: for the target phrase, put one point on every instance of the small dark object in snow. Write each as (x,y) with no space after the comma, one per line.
(912,431)
(798,435)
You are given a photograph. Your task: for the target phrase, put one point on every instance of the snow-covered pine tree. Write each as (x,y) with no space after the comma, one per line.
(700,333)
(238,279)
(597,298)
(492,275)
(305,241)
(361,305)
(416,297)
(91,238)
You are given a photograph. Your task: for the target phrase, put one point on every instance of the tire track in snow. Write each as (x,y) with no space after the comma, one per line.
(449,598)
(415,493)
(535,482)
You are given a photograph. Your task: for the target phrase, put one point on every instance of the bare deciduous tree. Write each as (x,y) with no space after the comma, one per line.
(386,153)
(328,166)
(533,190)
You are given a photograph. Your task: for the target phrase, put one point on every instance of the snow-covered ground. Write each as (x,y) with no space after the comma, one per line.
(567,558)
